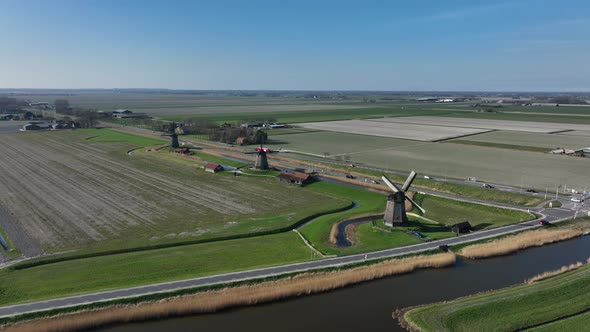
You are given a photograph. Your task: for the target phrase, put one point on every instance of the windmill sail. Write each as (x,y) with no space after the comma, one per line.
(390,184)
(409,181)
(416,205)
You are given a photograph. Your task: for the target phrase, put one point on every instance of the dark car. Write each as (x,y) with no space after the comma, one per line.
(348,176)
(489,186)
(531,191)
(543,222)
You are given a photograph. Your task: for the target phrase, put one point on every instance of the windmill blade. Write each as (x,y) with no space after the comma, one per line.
(416,205)
(409,181)
(390,184)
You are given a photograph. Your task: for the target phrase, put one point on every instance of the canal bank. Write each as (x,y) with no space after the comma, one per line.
(368,306)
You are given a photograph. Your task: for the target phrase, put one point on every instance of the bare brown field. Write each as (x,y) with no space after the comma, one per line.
(212,301)
(64,191)
(518,242)
(417,132)
(536,127)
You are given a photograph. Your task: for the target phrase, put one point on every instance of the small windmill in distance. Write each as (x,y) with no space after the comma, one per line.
(170,130)
(395,211)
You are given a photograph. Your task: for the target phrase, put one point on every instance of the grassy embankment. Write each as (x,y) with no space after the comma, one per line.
(513,308)
(214,300)
(443,211)
(138,268)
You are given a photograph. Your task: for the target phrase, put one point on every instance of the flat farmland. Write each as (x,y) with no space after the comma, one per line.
(577,133)
(386,128)
(549,141)
(319,142)
(489,124)
(63,191)
(511,167)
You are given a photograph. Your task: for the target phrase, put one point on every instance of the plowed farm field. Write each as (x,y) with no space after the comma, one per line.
(60,191)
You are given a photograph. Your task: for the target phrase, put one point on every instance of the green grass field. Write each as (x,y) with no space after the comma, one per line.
(317,232)
(511,309)
(448,212)
(576,323)
(441,210)
(139,268)
(220,160)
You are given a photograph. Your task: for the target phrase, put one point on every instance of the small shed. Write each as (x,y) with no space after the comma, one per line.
(296,178)
(462,227)
(213,168)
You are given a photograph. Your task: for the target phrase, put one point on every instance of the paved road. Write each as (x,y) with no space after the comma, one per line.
(552,215)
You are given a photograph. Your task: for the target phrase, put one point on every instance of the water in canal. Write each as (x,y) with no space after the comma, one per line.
(368,306)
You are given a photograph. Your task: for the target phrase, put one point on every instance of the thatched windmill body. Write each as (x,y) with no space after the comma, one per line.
(170,130)
(261,158)
(395,211)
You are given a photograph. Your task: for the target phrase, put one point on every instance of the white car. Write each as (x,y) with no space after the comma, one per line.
(427,177)
(577,200)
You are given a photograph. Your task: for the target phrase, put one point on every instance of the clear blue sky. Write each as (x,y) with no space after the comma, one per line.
(526,45)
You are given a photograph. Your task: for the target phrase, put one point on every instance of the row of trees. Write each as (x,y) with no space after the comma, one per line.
(12,105)
(85,118)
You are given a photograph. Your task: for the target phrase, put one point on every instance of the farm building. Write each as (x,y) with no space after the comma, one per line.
(462,227)
(297,178)
(36,125)
(213,168)
(127,114)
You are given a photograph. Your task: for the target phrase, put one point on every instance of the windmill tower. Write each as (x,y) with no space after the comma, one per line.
(261,160)
(170,130)
(261,157)
(395,211)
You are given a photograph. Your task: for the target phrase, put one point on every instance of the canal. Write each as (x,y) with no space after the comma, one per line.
(368,306)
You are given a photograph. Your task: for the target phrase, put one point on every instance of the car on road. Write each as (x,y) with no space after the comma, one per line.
(427,177)
(348,176)
(489,186)
(577,200)
(374,182)
(543,222)
(531,191)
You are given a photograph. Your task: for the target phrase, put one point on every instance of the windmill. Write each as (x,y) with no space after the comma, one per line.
(170,130)
(261,159)
(395,211)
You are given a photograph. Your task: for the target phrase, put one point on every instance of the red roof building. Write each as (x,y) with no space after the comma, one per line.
(213,168)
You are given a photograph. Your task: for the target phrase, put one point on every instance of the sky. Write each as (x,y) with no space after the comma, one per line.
(517,45)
